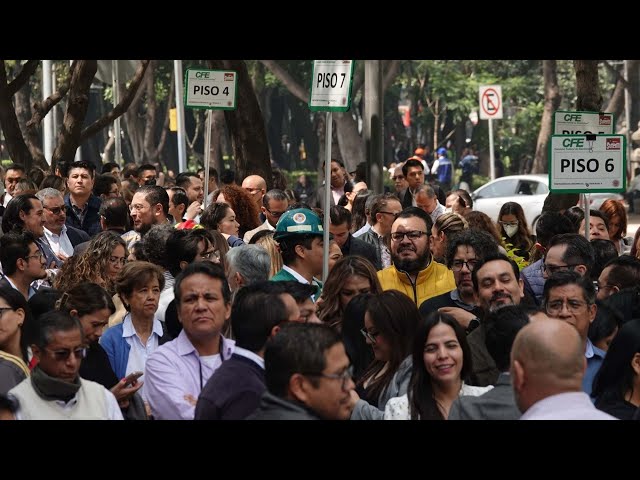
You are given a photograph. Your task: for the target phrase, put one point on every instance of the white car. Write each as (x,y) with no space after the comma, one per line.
(529,191)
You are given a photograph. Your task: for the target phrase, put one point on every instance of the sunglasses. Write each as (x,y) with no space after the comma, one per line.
(58,210)
(63,355)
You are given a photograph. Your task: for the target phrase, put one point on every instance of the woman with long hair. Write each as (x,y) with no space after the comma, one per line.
(617,224)
(92,306)
(441,361)
(390,323)
(221,217)
(15,319)
(244,207)
(100,263)
(360,354)
(514,229)
(445,225)
(265,239)
(351,276)
(616,388)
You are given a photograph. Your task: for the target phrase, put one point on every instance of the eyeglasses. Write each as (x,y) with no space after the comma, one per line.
(35,255)
(551,269)
(411,235)
(344,376)
(275,214)
(509,224)
(369,335)
(388,213)
(137,207)
(604,287)
(58,210)
(210,255)
(397,177)
(4,309)
(556,306)
(457,265)
(63,355)
(117,260)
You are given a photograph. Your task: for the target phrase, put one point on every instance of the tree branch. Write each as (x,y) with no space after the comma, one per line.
(289,82)
(119,109)
(41,109)
(27,70)
(393,67)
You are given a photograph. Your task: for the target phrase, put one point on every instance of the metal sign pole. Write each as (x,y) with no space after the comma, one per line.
(492,166)
(207,157)
(587,220)
(327,195)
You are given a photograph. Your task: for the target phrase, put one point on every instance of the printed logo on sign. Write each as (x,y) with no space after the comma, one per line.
(613,144)
(299,218)
(604,120)
(616,183)
(345,61)
(228,77)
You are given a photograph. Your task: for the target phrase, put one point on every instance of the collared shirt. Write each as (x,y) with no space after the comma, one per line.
(32,291)
(7,199)
(363,230)
(59,243)
(439,210)
(595,358)
(139,353)
(297,276)
(455,296)
(565,406)
(174,371)
(337,194)
(243,352)
(80,212)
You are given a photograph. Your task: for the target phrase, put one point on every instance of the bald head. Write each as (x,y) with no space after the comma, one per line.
(256,186)
(547,359)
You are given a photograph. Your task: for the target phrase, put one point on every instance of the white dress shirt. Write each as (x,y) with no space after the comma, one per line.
(59,243)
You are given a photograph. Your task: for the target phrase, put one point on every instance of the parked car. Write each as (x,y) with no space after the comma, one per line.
(529,191)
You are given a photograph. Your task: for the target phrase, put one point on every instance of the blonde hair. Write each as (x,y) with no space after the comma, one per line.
(271,246)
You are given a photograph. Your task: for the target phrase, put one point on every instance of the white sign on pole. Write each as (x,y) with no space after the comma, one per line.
(582,123)
(490,102)
(215,89)
(331,85)
(587,163)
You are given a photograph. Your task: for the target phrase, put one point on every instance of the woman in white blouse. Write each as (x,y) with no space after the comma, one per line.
(441,359)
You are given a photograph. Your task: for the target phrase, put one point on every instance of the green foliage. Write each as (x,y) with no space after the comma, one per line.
(511,253)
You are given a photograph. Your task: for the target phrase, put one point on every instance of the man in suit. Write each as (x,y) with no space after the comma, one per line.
(340,228)
(233,392)
(498,403)
(413,171)
(383,212)
(61,238)
(82,205)
(22,262)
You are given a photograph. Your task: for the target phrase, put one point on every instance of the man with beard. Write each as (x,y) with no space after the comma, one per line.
(496,282)
(464,250)
(413,272)
(149,206)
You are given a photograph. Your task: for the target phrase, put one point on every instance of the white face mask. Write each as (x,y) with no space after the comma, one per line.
(510,230)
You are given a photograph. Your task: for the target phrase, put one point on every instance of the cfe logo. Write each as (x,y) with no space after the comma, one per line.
(299,218)
(228,77)
(604,120)
(613,144)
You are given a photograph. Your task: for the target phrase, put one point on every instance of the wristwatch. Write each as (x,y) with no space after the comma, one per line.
(473,324)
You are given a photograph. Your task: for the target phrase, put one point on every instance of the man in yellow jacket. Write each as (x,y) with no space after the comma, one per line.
(414,272)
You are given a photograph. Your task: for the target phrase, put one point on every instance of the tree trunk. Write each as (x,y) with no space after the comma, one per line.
(246,125)
(587,86)
(349,140)
(134,126)
(16,146)
(552,99)
(77,104)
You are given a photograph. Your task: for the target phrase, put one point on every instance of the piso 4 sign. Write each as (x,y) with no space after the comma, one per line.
(587,163)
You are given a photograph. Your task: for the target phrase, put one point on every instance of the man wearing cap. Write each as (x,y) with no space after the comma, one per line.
(299,233)
(443,168)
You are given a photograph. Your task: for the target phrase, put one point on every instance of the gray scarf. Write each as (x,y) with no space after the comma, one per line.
(51,388)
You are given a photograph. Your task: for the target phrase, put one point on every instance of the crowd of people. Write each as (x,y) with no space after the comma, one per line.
(125,295)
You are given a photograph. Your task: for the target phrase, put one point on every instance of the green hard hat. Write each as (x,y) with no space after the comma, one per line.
(299,221)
